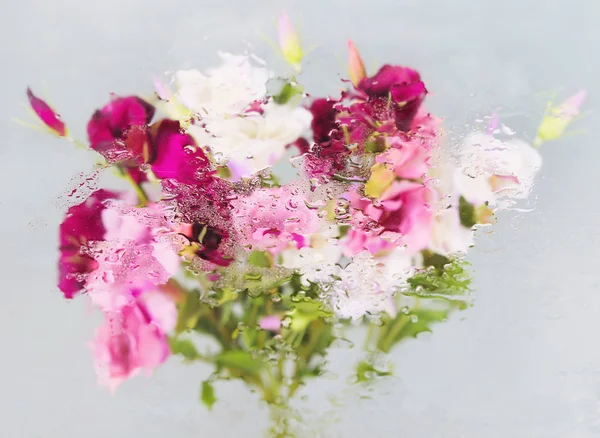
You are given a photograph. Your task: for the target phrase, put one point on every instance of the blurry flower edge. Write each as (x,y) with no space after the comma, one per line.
(209,243)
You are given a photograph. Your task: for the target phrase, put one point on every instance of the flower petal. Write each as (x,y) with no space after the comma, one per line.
(46,114)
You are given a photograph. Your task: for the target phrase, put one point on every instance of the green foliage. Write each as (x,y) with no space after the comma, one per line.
(238,360)
(466,212)
(289,91)
(448,277)
(260,259)
(207,394)
(434,293)
(183,347)
(365,372)
(189,312)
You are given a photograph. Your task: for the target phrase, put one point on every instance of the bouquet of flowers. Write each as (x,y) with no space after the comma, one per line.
(217,239)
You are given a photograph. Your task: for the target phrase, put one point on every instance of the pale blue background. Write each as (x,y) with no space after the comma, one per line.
(525,361)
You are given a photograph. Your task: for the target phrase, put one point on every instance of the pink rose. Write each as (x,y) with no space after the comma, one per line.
(133,339)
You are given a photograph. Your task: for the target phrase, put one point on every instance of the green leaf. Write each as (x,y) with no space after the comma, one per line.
(183,347)
(305,311)
(207,395)
(451,278)
(239,360)
(366,371)
(260,259)
(189,312)
(405,326)
(466,212)
(288,92)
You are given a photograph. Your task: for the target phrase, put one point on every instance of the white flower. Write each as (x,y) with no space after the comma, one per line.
(368,284)
(448,235)
(253,142)
(317,263)
(224,91)
(491,169)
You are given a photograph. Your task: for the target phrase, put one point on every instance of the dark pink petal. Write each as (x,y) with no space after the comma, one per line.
(408,98)
(323,121)
(82,224)
(109,127)
(177,156)
(47,115)
(387,76)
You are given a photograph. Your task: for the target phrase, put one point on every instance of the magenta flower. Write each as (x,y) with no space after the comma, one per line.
(134,339)
(405,88)
(47,115)
(119,129)
(323,120)
(177,156)
(81,226)
(210,241)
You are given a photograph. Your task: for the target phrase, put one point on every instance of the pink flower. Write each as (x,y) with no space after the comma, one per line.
(356,241)
(134,339)
(273,218)
(82,225)
(357,67)
(271,323)
(407,159)
(47,115)
(402,208)
(119,129)
(289,41)
(139,251)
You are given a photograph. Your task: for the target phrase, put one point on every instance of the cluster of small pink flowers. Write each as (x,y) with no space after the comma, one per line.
(373,194)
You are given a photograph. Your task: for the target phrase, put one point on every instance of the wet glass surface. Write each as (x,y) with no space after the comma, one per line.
(523,361)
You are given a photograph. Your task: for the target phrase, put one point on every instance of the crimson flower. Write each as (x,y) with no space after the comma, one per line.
(82,224)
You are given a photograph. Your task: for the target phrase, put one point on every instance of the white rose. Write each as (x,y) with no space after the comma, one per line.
(253,142)
(224,91)
(490,169)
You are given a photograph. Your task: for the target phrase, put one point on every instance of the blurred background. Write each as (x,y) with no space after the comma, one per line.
(523,362)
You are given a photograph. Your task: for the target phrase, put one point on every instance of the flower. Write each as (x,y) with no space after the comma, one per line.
(134,339)
(250,143)
(274,218)
(209,242)
(491,169)
(81,227)
(358,240)
(406,158)
(357,67)
(139,251)
(47,115)
(271,323)
(367,285)
(557,119)
(224,91)
(119,130)
(402,208)
(400,84)
(448,235)
(289,41)
(177,156)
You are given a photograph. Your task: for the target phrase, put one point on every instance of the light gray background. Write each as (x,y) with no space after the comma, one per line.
(523,363)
